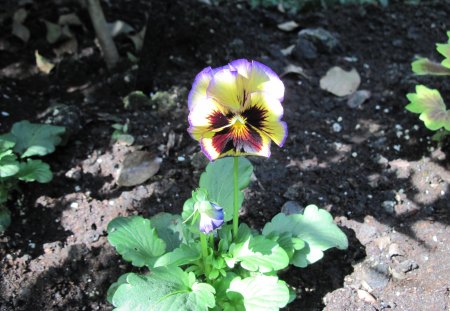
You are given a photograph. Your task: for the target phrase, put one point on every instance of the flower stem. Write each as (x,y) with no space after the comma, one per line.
(236,198)
(204,243)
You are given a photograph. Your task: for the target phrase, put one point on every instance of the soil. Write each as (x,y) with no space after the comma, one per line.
(374,167)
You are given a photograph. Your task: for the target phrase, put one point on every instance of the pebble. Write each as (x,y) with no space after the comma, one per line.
(377,277)
(5,114)
(366,296)
(358,98)
(181,159)
(292,207)
(336,127)
(74,205)
(388,206)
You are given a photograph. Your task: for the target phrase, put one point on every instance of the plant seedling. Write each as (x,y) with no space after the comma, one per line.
(204,259)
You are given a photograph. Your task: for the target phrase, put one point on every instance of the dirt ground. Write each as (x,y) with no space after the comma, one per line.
(372,165)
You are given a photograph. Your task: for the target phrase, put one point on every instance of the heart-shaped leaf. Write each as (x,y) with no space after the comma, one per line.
(165,288)
(218,181)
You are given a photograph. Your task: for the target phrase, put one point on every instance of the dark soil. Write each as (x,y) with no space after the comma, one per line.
(380,175)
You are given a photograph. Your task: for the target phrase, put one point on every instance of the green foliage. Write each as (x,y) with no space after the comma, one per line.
(34,139)
(256,253)
(428,103)
(260,292)
(217,180)
(136,240)
(121,135)
(431,107)
(165,288)
(24,141)
(190,270)
(314,227)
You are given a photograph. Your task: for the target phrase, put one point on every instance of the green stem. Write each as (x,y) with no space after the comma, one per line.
(236,198)
(204,243)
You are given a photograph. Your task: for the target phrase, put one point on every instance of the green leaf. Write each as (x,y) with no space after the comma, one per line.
(424,66)
(218,181)
(136,240)
(6,142)
(431,107)
(35,139)
(35,170)
(444,50)
(260,292)
(8,164)
(183,255)
(258,253)
(315,227)
(169,228)
(5,218)
(114,286)
(167,289)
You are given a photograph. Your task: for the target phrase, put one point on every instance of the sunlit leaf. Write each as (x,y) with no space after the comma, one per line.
(424,66)
(136,240)
(257,253)
(35,170)
(431,107)
(165,288)
(444,50)
(35,139)
(218,181)
(315,227)
(260,292)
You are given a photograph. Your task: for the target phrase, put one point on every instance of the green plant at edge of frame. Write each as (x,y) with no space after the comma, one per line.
(428,103)
(18,150)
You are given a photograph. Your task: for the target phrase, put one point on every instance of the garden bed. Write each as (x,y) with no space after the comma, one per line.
(373,166)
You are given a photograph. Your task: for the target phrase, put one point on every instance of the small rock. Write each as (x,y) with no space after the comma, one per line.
(366,296)
(382,242)
(377,277)
(408,265)
(68,116)
(336,127)
(137,167)
(291,193)
(394,250)
(292,207)
(321,38)
(304,49)
(388,206)
(358,98)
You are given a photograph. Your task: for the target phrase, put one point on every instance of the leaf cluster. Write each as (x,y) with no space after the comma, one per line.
(238,273)
(426,102)
(17,151)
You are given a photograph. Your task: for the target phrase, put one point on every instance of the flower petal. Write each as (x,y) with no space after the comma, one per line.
(262,78)
(211,219)
(198,91)
(264,113)
(225,143)
(223,88)
(259,78)
(205,116)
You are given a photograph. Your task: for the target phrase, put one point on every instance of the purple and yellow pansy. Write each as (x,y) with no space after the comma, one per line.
(236,110)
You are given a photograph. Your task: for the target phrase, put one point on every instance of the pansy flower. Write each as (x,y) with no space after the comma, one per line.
(211,216)
(236,110)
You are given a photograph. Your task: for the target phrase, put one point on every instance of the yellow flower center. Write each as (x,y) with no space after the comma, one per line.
(238,125)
